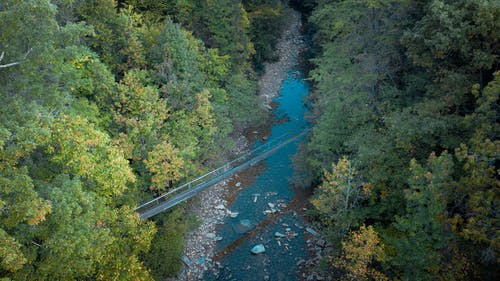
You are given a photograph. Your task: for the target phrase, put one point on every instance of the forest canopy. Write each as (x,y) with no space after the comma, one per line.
(106,104)
(406,137)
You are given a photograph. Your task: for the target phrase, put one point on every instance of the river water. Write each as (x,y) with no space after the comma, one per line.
(271,191)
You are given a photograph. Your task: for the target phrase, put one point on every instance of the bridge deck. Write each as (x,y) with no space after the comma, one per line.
(170,199)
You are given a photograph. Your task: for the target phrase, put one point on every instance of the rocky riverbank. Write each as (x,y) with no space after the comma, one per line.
(318,249)
(288,50)
(212,207)
(199,245)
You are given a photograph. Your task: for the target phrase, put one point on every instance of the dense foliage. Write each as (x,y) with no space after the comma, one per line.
(406,109)
(105,104)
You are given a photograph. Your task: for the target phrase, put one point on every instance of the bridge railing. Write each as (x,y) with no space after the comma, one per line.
(270,145)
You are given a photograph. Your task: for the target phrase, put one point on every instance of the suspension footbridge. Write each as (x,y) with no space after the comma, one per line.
(189,189)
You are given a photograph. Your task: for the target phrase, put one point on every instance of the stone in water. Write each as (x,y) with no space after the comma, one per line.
(246,222)
(279,234)
(233,214)
(310,230)
(255,196)
(258,249)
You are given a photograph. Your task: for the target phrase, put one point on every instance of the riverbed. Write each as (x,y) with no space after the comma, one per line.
(266,210)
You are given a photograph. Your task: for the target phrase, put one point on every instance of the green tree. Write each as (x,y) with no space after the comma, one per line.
(266,19)
(163,259)
(139,113)
(179,10)
(422,236)
(23,207)
(477,189)
(117,38)
(227,32)
(176,60)
(12,256)
(245,108)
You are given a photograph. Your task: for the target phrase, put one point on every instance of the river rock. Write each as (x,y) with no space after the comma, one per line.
(186,261)
(258,249)
(210,235)
(279,235)
(312,276)
(246,222)
(255,197)
(220,207)
(242,227)
(271,205)
(321,243)
(233,214)
(312,231)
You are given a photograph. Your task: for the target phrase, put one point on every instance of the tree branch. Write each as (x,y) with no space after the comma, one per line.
(16,62)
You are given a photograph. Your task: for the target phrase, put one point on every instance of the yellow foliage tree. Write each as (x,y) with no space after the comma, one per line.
(79,148)
(359,251)
(165,165)
(338,195)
